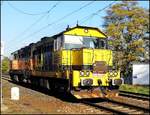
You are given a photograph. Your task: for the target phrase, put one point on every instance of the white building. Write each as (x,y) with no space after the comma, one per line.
(140,74)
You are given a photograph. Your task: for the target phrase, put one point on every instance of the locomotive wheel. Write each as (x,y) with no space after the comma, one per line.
(37,83)
(20,78)
(29,81)
(63,88)
(52,86)
(32,81)
(12,77)
(16,78)
(115,87)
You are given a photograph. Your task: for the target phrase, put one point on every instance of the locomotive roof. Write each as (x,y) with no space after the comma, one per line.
(78,26)
(46,39)
(49,39)
(23,48)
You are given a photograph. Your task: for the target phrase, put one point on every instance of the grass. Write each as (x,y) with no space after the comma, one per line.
(135,89)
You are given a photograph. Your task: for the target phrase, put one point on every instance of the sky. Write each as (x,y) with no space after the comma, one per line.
(25,22)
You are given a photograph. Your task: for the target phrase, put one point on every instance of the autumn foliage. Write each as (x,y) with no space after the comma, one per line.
(126,24)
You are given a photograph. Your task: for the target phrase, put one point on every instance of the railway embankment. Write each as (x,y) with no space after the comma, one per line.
(36,102)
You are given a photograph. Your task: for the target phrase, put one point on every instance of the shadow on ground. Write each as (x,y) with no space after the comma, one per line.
(64,96)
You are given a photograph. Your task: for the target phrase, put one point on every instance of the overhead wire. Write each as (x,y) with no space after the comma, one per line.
(53,7)
(23,12)
(39,19)
(96,13)
(60,19)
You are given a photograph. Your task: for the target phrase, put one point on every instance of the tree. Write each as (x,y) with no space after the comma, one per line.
(126,24)
(5,65)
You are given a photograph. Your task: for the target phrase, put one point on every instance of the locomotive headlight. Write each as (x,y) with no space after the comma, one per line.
(84,73)
(81,73)
(113,73)
(87,73)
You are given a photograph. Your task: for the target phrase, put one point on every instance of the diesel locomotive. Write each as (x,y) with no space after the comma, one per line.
(75,60)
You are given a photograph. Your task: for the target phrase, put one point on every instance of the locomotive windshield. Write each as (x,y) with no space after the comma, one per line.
(71,42)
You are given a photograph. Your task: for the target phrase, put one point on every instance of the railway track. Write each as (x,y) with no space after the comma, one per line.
(5,77)
(113,106)
(132,104)
(117,107)
(134,95)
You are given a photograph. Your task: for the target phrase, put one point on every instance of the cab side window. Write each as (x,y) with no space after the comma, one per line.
(58,43)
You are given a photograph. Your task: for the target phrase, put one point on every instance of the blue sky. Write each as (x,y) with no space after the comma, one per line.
(13,23)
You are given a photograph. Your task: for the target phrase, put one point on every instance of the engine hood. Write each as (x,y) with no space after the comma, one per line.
(85,56)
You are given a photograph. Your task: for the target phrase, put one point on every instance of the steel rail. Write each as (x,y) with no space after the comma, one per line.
(6,78)
(134,110)
(102,107)
(129,105)
(114,108)
(126,105)
(134,95)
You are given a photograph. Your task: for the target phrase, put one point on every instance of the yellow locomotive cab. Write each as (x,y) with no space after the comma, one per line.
(88,64)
